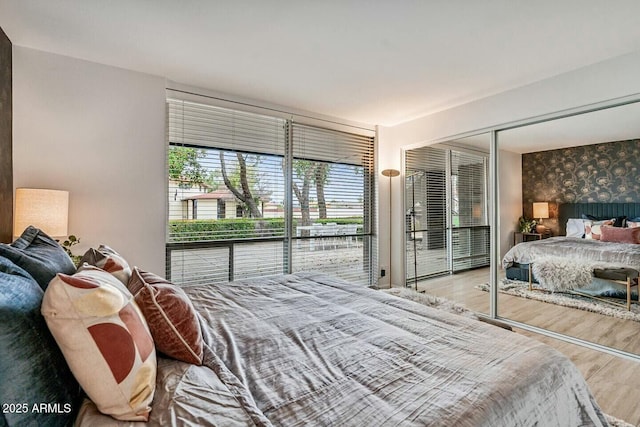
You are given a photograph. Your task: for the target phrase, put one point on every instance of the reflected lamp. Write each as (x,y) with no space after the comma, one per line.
(540,212)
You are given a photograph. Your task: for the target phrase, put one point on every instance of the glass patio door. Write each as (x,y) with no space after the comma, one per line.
(426,203)
(446,214)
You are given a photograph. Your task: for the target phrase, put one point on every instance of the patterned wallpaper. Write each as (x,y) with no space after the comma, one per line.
(606,172)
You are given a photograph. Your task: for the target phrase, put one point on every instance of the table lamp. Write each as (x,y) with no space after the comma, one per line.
(47,210)
(540,212)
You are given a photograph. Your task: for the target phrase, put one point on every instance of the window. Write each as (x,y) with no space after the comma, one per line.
(222,209)
(284,197)
(447,226)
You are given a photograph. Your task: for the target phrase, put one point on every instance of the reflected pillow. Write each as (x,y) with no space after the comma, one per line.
(619,221)
(105,340)
(575,227)
(170,314)
(40,255)
(620,235)
(592,229)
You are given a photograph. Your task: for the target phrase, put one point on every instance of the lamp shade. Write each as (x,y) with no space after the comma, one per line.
(541,210)
(47,210)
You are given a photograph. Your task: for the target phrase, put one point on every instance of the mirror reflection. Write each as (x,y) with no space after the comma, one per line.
(447,220)
(572,207)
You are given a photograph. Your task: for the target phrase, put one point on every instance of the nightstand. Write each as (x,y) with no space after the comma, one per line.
(519,237)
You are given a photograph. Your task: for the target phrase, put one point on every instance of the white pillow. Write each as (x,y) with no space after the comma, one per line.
(575,227)
(105,339)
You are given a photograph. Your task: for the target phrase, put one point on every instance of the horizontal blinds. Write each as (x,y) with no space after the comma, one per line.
(194,124)
(470,240)
(469,173)
(332,183)
(226,194)
(227,197)
(313,143)
(446,211)
(426,211)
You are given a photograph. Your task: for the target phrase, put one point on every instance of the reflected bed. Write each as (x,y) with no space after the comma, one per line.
(594,254)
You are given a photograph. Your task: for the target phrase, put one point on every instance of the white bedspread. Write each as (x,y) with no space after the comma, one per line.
(595,252)
(311,350)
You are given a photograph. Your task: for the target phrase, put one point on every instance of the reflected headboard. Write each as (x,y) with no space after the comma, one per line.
(600,210)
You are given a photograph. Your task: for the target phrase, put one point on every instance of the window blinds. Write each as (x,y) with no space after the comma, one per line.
(469,210)
(338,169)
(226,190)
(446,211)
(251,195)
(426,212)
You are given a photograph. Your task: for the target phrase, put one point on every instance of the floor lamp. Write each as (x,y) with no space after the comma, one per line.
(390,173)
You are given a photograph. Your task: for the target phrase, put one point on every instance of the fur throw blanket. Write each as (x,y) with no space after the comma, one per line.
(432,301)
(558,274)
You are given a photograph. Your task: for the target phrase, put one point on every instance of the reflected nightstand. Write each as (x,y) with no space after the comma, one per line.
(519,237)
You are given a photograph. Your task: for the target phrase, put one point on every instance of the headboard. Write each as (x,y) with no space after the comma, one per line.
(600,210)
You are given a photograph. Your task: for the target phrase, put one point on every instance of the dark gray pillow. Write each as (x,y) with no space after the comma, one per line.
(32,367)
(38,254)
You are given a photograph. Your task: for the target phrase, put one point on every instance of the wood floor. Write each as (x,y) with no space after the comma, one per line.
(614,381)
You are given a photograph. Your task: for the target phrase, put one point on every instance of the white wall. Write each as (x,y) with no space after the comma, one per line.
(99,132)
(510,194)
(595,83)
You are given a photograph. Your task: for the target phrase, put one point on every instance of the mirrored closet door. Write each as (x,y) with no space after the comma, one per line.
(586,169)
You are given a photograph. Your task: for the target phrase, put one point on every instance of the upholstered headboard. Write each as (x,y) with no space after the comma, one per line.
(600,210)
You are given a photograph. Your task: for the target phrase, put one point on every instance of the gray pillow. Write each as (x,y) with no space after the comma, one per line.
(32,367)
(38,254)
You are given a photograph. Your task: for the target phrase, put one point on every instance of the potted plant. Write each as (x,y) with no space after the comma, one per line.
(526,225)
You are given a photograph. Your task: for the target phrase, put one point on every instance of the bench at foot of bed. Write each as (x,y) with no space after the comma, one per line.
(622,275)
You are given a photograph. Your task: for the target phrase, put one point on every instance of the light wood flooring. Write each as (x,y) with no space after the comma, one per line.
(614,381)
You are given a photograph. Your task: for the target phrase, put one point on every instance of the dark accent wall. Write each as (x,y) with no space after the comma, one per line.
(6,163)
(604,173)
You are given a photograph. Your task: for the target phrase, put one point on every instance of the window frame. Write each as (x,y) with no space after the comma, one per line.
(367,232)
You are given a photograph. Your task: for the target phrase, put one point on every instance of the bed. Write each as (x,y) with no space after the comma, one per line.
(310,349)
(601,259)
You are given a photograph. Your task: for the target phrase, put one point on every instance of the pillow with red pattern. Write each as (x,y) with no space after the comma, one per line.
(170,315)
(109,260)
(592,229)
(105,341)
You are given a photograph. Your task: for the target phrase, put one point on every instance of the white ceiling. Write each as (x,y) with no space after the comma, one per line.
(612,124)
(376,62)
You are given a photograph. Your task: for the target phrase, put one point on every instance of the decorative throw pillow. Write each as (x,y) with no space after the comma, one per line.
(592,228)
(620,235)
(39,255)
(105,340)
(575,227)
(32,367)
(170,314)
(110,261)
(620,221)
